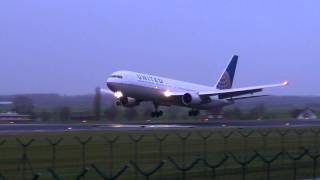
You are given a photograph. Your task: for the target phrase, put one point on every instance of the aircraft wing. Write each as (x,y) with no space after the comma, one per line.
(229,93)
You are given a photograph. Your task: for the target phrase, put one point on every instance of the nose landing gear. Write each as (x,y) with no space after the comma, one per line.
(156,113)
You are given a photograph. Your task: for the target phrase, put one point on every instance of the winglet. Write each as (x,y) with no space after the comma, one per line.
(227,77)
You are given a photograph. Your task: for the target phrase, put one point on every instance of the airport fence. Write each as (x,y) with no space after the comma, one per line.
(290,153)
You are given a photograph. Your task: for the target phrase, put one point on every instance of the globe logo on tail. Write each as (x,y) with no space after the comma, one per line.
(225,82)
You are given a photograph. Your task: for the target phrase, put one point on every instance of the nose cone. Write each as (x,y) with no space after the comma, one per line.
(110,84)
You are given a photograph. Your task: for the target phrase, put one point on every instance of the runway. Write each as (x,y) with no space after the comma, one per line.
(4,128)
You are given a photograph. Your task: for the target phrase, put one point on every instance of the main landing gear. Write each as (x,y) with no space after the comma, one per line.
(194,112)
(156,113)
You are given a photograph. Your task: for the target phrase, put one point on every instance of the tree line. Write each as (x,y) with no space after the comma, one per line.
(24,105)
(98,112)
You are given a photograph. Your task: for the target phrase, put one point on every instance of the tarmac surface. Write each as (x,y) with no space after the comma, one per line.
(4,128)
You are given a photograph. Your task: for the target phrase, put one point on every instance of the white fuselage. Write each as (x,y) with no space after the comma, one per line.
(144,87)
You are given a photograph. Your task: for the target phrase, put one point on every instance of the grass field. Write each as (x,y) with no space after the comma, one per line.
(145,150)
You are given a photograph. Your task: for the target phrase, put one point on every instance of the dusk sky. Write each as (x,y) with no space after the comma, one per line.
(71,46)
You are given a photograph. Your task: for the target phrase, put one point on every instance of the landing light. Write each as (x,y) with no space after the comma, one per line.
(118,94)
(167,93)
(285,83)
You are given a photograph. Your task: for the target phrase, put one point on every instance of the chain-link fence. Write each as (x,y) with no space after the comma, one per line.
(172,154)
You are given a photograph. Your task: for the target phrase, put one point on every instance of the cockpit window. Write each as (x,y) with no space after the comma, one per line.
(117,76)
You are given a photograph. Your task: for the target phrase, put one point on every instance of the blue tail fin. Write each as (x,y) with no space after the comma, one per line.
(226,79)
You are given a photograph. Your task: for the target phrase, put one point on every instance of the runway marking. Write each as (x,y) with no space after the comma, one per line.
(4,128)
(164,126)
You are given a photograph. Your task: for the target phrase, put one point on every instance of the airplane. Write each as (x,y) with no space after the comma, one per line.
(132,88)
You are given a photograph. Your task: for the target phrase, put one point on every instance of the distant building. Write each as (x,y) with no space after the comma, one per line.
(5,106)
(12,117)
(5,103)
(214,114)
(307,114)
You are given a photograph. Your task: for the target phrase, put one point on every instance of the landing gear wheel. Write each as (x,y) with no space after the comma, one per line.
(156,113)
(194,113)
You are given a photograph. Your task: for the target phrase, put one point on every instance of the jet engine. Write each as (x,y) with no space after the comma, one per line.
(191,99)
(128,102)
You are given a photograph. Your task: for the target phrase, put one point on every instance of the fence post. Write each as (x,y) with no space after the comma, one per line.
(185,168)
(226,140)
(216,166)
(183,140)
(315,164)
(160,142)
(205,138)
(295,159)
(136,141)
(1,144)
(111,143)
(264,135)
(147,175)
(283,134)
(300,134)
(83,144)
(54,145)
(246,136)
(268,162)
(244,164)
(226,137)
(25,161)
(316,138)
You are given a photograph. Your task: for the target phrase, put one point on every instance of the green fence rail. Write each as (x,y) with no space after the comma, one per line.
(193,154)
